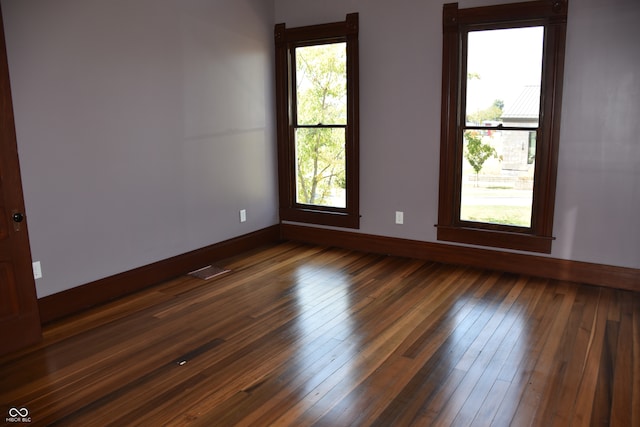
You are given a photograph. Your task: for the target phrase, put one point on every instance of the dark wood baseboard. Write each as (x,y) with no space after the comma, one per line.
(80,298)
(552,268)
(71,301)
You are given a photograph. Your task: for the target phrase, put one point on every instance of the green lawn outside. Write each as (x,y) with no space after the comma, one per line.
(509,215)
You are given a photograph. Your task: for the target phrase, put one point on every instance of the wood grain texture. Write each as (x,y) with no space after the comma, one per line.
(300,335)
(552,268)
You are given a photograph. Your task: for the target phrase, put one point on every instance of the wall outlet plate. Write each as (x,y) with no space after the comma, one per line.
(399,217)
(37,270)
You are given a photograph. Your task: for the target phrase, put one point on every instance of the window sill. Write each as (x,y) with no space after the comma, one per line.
(320,217)
(495,238)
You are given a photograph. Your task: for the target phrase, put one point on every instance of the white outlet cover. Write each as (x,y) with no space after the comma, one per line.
(37,270)
(399,217)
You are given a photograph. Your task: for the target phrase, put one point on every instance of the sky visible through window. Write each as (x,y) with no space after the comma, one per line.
(501,63)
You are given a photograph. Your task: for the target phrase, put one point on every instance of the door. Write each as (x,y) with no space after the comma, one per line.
(19,317)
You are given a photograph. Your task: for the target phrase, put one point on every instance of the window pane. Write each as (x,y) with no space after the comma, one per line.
(321,84)
(497,177)
(320,167)
(504,70)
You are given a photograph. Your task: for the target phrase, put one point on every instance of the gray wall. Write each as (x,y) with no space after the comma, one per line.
(598,192)
(143,127)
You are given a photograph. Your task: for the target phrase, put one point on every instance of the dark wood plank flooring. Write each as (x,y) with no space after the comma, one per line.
(301,335)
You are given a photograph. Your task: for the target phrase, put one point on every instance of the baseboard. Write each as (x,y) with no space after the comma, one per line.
(552,268)
(80,298)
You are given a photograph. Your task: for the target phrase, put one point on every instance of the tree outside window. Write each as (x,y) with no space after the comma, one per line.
(321,94)
(317,122)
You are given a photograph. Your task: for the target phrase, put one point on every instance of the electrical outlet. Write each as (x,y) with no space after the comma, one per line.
(243,215)
(399,217)
(37,270)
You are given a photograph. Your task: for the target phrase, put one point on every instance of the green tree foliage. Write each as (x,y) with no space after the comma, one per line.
(473,76)
(476,152)
(321,100)
(492,113)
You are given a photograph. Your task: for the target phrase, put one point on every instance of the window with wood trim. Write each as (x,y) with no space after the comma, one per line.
(501,98)
(317,122)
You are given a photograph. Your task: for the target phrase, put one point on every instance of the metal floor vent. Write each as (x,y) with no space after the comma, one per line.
(208,272)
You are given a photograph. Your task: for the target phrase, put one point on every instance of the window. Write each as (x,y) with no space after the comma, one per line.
(317,122)
(501,99)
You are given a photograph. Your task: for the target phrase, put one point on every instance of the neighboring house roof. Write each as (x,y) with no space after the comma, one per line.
(525,106)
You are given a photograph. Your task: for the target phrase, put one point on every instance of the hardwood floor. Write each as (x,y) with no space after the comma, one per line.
(304,335)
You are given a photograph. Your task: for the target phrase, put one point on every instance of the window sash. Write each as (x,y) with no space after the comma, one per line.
(326,188)
(295,81)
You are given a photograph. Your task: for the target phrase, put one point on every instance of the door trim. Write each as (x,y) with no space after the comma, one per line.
(21,327)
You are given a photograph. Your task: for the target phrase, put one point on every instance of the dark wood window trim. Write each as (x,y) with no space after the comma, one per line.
(286,40)
(456,24)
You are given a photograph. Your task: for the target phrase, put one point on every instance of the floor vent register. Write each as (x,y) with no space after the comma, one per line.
(208,272)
